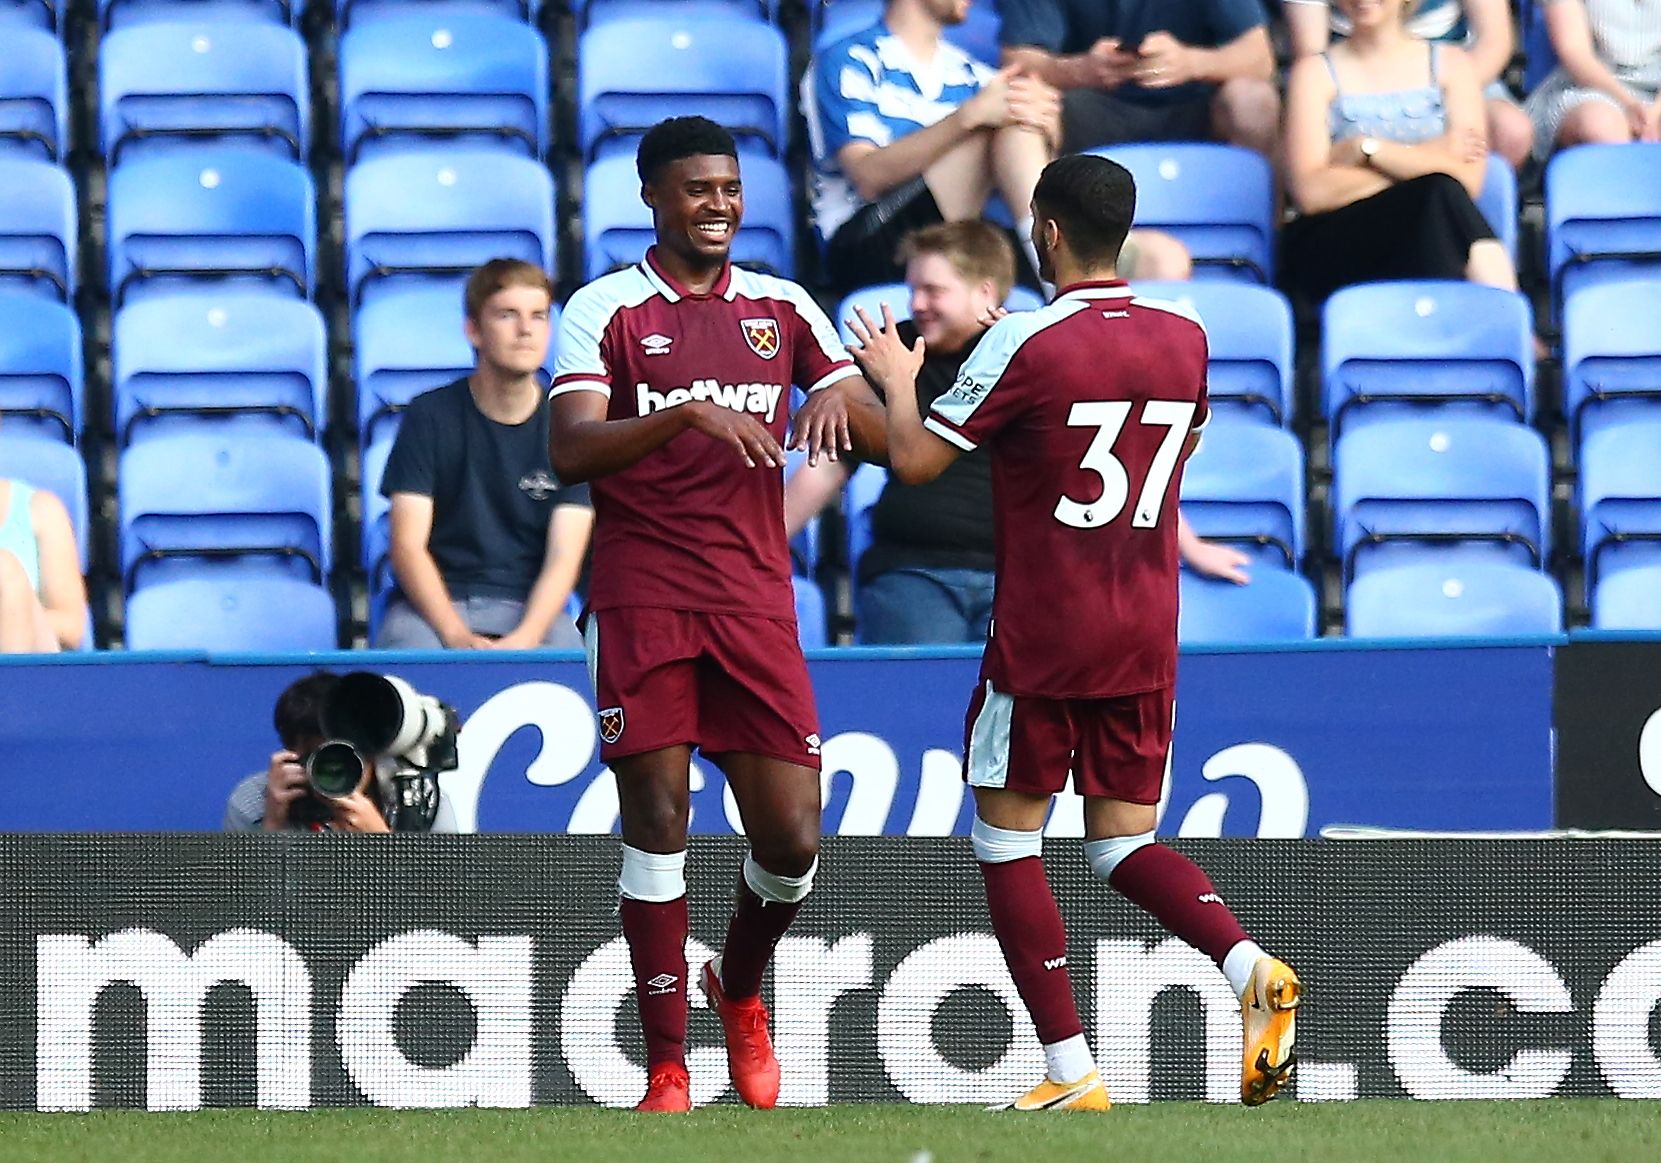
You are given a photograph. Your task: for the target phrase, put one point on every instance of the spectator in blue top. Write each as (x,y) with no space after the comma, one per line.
(1481,27)
(908,131)
(1151,70)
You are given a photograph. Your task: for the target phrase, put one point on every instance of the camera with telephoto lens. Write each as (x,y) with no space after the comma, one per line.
(378,724)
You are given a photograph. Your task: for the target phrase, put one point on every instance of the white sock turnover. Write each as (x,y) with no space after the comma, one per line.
(1239,963)
(1069,1060)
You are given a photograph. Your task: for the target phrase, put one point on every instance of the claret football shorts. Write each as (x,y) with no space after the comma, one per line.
(1115,747)
(719,682)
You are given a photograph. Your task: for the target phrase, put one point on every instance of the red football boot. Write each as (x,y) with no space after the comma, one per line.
(667,1089)
(750,1057)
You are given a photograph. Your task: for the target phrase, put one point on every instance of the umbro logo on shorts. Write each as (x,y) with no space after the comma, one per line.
(611,724)
(812,742)
(661,984)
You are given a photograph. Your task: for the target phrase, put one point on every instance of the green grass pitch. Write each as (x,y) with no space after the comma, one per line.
(1555,1130)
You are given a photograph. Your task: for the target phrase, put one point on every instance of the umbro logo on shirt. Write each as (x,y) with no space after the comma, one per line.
(656,344)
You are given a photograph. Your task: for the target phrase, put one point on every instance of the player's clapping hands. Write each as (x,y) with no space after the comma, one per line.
(822,426)
(742,431)
(881,354)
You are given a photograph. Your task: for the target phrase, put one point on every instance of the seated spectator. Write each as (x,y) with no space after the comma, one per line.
(1482,27)
(1385,150)
(43,597)
(927,577)
(1151,70)
(1607,84)
(280,798)
(908,131)
(485,545)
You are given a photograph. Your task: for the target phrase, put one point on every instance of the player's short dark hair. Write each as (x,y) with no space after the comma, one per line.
(298,715)
(498,275)
(1093,199)
(976,249)
(681,137)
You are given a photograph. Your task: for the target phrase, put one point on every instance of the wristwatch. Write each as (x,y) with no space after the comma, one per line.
(1369,149)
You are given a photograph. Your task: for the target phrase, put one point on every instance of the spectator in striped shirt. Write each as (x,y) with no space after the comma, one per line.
(1607,85)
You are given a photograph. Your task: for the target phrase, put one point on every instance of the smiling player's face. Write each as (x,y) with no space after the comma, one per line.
(697,203)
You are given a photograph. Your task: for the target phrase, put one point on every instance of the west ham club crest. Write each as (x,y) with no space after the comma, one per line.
(762,335)
(611,724)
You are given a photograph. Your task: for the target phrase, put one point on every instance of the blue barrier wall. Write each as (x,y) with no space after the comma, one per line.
(1268,742)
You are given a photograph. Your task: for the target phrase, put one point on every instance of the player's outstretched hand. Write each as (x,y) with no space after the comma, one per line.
(822,425)
(881,354)
(742,431)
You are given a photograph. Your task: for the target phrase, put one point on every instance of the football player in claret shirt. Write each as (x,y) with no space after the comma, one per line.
(671,394)
(1089,408)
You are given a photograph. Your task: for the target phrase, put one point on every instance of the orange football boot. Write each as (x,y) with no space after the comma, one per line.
(750,1058)
(668,1089)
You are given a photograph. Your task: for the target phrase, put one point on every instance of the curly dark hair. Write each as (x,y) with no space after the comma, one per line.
(679,137)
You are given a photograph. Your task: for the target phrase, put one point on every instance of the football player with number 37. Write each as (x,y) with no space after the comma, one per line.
(1089,408)
(672,394)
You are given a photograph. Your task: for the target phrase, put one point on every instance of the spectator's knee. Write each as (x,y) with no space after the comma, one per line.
(1510,132)
(1249,108)
(1158,256)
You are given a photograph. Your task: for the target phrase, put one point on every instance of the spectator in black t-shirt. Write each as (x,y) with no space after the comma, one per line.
(486,545)
(1150,70)
(927,577)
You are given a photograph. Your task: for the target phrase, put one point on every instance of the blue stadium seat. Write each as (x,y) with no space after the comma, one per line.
(863,490)
(1498,201)
(376,532)
(1409,489)
(1611,355)
(54,466)
(432,216)
(977,35)
(811,626)
(1245,486)
(1391,351)
(171,86)
(632,74)
(38,228)
(617,225)
(127,13)
(1217,199)
(460,78)
(41,375)
(229,214)
(34,96)
(1454,599)
(898,298)
(599,11)
(184,359)
(1628,600)
(1249,332)
(350,13)
(1539,57)
(1277,605)
(1620,497)
(1603,215)
(45,15)
(408,341)
(257,614)
(195,503)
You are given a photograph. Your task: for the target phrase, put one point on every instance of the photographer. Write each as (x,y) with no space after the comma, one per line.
(281,799)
